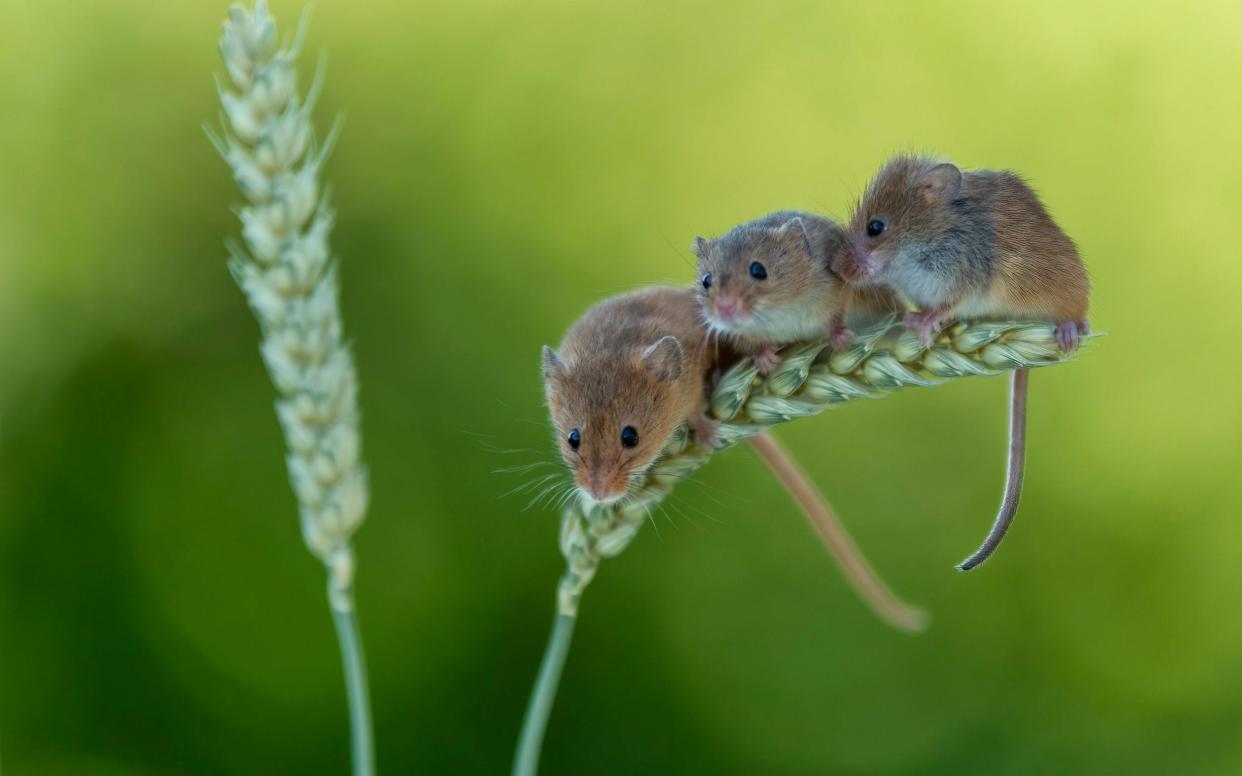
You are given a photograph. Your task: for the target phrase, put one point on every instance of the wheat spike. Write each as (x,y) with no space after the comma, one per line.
(809,380)
(286,270)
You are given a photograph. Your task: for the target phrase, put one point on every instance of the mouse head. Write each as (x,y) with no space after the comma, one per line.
(613,413)
(757,272)
(906,206)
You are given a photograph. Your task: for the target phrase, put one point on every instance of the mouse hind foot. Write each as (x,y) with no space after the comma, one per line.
(1071,333)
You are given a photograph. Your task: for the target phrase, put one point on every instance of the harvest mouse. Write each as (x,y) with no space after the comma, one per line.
(770,281)
(628,374)
(974,244)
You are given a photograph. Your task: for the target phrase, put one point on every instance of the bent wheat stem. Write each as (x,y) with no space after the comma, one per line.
(285,268)
(858,572)
(809,380)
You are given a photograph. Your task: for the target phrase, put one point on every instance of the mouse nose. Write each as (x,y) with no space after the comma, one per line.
(856,266)
(728,307)
(601,491)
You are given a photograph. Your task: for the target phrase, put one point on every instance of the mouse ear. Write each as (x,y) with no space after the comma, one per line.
(700,247)
(793,232)
(664,359)
(941,183)
(553,366)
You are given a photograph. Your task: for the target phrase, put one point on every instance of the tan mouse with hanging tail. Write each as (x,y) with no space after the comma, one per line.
(974,244)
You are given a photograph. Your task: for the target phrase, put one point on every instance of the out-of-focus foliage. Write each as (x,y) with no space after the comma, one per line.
(503,166)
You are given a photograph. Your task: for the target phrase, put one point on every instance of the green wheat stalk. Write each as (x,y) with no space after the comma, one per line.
(809,380)
(287,272)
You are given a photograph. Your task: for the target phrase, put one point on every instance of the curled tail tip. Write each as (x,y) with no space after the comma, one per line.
(973,562)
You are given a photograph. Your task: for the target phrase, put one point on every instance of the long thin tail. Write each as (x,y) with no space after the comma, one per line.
(870,588)
(1013,474)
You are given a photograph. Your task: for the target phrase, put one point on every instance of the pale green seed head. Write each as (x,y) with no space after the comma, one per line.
(809,380)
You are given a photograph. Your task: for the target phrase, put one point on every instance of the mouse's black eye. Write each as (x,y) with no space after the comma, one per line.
(875,227)
(757,271)
(575,439)
(707,280)
(629,437)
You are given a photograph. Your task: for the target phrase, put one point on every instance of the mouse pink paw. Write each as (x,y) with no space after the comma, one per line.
(841,337)
(705,431)
(926,324)
(766,359)
(1070,334)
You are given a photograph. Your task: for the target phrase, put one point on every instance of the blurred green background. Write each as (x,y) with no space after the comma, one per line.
(503,166)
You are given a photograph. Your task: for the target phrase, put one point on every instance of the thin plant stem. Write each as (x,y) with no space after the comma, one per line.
(344,617)
(854,566)
(526,760)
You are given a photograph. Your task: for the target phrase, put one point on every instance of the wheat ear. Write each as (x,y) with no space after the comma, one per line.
(809,380)
(285,268)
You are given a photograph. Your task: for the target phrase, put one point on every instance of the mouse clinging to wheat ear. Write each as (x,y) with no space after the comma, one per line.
(974,244)
(629,373)
(770,282)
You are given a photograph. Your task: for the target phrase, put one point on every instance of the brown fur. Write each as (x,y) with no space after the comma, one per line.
(978,242)
(599,382)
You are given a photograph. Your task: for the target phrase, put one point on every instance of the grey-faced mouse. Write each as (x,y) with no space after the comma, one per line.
(770,281)
(628,374)
(975,244)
